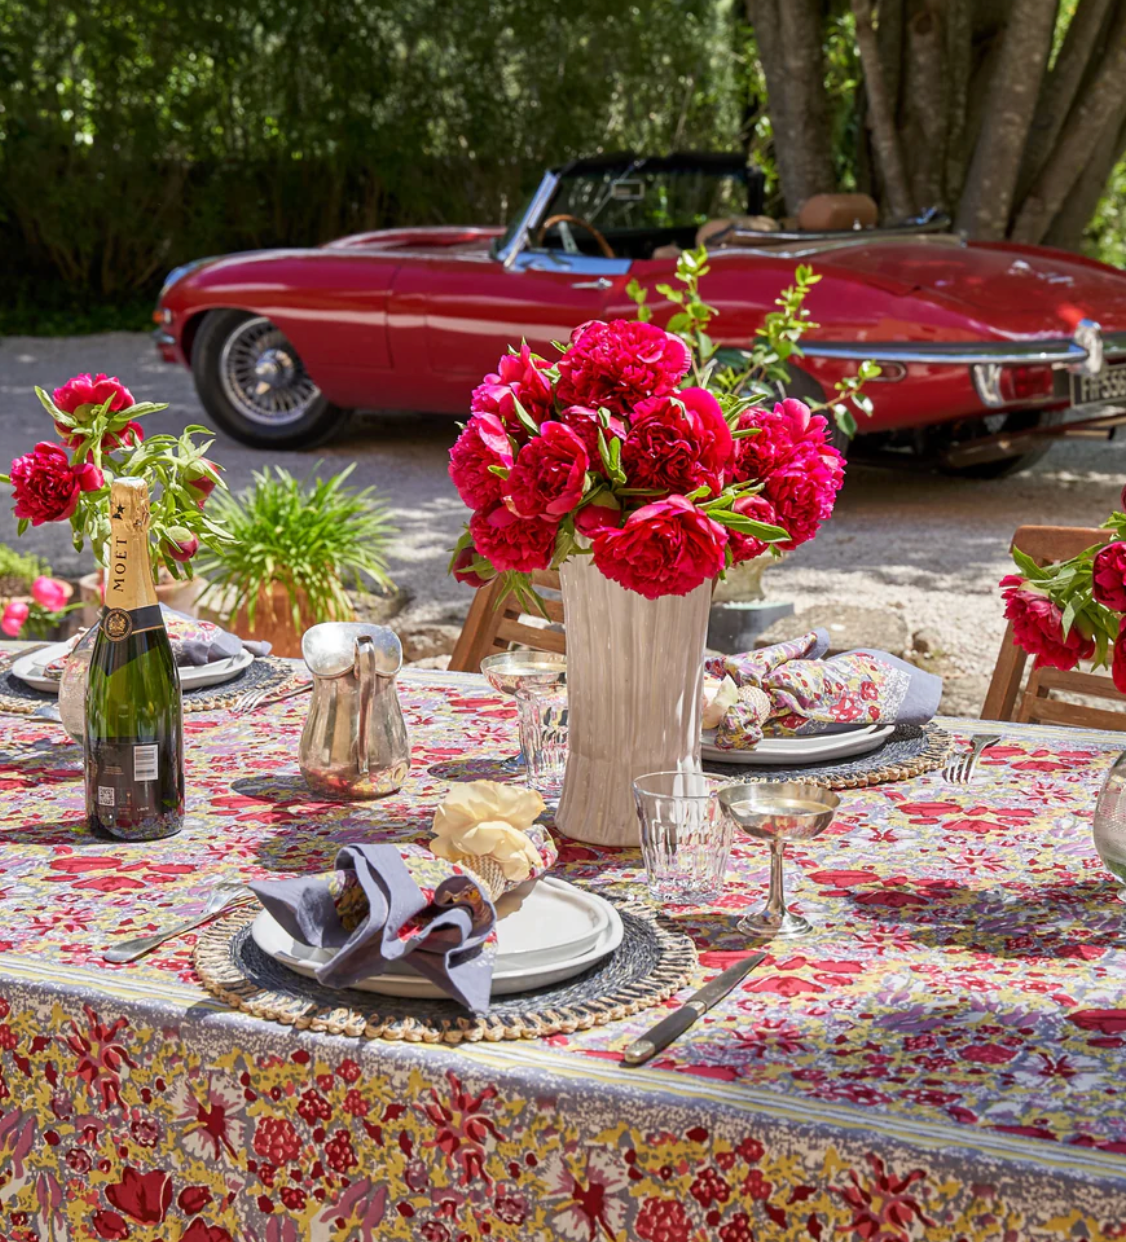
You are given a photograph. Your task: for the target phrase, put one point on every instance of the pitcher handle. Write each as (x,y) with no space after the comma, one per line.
(366,674)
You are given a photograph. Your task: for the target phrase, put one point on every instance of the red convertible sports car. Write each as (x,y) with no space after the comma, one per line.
(988,351)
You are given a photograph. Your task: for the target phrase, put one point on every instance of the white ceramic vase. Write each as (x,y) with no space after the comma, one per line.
(634,686)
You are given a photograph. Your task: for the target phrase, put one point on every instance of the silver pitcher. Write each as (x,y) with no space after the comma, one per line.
(355,742)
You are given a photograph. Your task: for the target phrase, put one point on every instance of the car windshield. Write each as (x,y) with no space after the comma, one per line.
(637,207)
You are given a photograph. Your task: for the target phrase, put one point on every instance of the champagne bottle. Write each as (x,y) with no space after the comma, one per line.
(134,712)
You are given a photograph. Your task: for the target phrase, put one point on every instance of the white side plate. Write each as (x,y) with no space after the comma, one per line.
(546,939)
(30,668)
(796,751)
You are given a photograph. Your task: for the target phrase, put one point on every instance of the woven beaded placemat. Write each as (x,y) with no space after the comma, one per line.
(652,962)
(268,673)
(910,751)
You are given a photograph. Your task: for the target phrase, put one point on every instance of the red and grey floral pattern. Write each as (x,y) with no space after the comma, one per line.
(940,1061)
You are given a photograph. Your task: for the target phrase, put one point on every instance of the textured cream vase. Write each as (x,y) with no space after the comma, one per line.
(634,683)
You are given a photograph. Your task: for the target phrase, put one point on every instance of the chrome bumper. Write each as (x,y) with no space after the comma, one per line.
(1060,352)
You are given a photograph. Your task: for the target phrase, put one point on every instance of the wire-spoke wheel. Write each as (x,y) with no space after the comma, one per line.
(253,383)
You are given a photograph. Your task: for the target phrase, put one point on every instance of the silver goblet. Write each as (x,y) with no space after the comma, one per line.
(778,811)
(509,671)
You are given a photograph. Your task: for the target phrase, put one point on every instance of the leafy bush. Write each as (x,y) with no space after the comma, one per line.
(19,571)
(314,539)
(134,137)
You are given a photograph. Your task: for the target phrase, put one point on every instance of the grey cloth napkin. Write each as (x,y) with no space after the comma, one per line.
(389,903)
(196,642)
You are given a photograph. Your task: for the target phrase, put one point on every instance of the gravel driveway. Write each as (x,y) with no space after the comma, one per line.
(928,546)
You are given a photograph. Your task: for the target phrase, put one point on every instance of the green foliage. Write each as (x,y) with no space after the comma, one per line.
(136,136)
(741,377)
(316,539)
(18,571)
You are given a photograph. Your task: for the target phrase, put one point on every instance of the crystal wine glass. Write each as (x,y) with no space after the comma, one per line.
(507,671)
(778,811)
(1109,824)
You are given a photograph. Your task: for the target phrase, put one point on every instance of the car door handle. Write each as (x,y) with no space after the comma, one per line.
(600,283)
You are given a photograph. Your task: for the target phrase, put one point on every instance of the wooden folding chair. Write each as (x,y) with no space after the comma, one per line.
(1006,700)
(489,628)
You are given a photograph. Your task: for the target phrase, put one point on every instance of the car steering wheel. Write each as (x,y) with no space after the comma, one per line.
(563,218)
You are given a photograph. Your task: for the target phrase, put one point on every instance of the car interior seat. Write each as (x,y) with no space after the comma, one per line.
(834,213)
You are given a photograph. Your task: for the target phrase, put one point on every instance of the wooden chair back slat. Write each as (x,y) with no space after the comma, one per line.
(489,628)
(1034,704)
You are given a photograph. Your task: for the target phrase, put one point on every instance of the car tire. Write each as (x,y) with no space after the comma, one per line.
(253,383)
(1014,420)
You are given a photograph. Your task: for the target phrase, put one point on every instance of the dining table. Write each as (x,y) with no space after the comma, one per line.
(941,1058)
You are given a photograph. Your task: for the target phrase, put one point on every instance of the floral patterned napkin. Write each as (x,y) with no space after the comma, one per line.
(387,903)
(788,690)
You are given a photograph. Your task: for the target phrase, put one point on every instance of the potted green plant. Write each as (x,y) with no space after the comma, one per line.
(32,603)
(295,548)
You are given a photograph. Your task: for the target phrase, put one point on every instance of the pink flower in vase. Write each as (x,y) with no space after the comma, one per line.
(483,443)
(666,548)
(46,486)
(1038,627)
(1108,577)
(620,363)
(758,509)
(15,614)
(677,443)
(90,390)
(462,568)
(518,377)
(50,593)
(511,542)
(549,476)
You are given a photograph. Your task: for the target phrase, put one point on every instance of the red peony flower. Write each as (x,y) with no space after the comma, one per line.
(482,444)
(803,493)
(1108,576)
(747,547)
(463,571)
(1038,627)
(84,390)
(130,435)
(146,1197)
(666,548)
(1118,662)
(518,377)
(16,613)
(620,363)
(511,542)
(181,545)
(601,513)
(586,424)
(200,482)
(549,476)
(46,486)
(110,1226)
(50,593)
(782,432)
(678,443)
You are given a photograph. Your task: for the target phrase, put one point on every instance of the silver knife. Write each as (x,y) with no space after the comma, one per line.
(672,1027)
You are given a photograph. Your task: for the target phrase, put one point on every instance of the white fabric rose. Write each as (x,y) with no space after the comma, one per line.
(485,819)
(719,696)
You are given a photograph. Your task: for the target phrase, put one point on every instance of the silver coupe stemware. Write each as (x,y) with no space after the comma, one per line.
(509,671)
(778,811)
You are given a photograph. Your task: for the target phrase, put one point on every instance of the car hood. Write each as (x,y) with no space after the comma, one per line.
(1011,290)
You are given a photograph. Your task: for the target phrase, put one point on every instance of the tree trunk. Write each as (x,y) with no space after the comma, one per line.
(1062,86)
(789,37)
(987,199)
(924,110)
(1085,125)
(881,118)
(1070,225)
(958,62)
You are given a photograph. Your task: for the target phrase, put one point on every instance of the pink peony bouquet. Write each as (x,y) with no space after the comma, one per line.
(1076,609)
(99,439)
(603,452)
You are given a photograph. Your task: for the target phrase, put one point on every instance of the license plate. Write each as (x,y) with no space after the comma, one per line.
(1108,386)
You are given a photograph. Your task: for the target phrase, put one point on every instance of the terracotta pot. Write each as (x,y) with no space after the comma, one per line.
(181,596)
(273,620)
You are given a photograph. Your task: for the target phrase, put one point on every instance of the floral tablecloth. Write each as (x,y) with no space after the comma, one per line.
(942,1060)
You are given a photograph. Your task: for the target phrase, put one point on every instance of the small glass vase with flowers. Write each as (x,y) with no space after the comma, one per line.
(67,479)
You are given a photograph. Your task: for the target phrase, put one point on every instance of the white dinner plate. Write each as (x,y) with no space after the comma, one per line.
(29,669)
(553,932)
(796,751)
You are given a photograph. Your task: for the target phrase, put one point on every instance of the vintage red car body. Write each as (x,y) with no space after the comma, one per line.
(411,319)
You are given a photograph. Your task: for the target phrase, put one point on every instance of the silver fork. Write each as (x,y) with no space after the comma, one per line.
(224,894)
(961,770)
(256,698)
